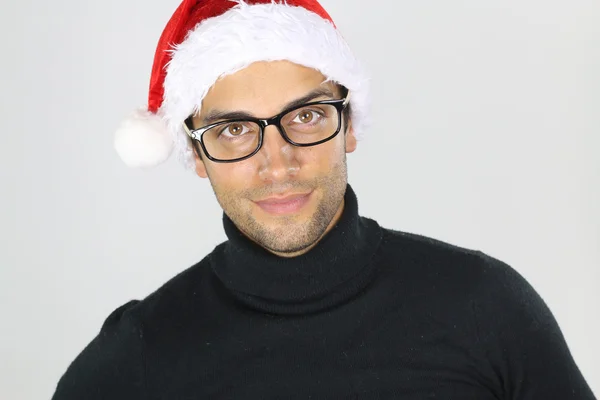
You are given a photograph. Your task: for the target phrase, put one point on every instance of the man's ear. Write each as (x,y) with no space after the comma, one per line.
(200,167)
(350,137)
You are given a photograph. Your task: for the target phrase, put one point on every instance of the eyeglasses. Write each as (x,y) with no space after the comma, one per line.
(238,139)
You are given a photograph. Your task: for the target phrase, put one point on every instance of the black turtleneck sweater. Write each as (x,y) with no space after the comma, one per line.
(368,313)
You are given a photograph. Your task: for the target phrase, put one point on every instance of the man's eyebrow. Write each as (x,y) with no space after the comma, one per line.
(219,115)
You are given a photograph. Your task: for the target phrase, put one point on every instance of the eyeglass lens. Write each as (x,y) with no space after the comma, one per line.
(304,125)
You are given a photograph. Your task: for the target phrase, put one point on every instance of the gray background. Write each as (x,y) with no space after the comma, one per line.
(485,135)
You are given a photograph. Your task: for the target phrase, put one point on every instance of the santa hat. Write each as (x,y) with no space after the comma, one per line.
(207,39)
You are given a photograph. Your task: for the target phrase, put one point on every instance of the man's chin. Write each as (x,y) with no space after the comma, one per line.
(285,236)
(289,248)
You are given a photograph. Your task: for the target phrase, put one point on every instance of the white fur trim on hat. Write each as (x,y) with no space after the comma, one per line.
(246,34)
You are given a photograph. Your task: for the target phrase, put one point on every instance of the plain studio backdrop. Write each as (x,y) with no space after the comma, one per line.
(485,134)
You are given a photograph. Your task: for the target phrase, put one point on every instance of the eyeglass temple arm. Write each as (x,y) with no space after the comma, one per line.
(186,129)
(347,100)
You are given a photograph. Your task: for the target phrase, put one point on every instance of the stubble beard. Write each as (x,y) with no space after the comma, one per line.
(290,235)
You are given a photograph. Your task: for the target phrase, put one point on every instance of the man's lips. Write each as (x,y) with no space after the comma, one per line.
(287,204)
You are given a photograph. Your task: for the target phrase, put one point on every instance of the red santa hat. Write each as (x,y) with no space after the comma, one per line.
(207,39)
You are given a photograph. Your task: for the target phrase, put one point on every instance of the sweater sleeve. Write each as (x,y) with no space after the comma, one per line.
(521,339)
(111,366)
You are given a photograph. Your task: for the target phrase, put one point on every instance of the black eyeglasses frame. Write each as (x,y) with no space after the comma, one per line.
(197,134)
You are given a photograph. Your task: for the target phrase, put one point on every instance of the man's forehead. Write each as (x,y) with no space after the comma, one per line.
(272,79)
(264,70)
(211,113)
(266,88)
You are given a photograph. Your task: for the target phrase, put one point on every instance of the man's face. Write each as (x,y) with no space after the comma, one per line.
(253,192)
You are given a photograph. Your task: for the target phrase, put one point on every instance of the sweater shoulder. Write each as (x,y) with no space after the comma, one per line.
(111,365)
(470,270)
(428,252)
(177,292)
(134,313)
(421,243)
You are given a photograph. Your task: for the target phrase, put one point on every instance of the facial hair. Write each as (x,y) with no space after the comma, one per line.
(290,235)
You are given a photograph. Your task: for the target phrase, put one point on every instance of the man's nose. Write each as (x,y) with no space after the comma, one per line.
(278,157)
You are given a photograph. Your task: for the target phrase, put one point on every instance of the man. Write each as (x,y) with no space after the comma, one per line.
(306,299)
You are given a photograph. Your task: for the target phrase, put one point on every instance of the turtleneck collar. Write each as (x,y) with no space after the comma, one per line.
(335,269)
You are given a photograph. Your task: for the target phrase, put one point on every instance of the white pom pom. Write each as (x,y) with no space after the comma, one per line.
(143,140)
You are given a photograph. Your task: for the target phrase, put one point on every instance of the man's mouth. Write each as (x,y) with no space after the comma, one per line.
(284,204)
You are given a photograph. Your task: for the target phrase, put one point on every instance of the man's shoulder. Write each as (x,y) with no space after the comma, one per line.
(407,246)
(174,294)
(465,268)
(418,243)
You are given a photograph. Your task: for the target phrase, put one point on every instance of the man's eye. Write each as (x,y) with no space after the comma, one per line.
(234,129)
(306,117)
